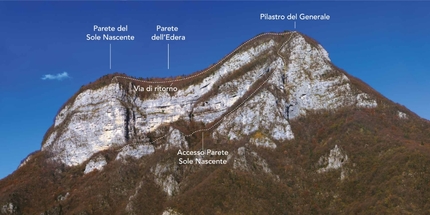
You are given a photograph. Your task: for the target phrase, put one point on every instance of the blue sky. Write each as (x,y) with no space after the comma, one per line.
(44,57)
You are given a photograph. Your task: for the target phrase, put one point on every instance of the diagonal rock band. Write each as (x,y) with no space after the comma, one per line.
(246,99)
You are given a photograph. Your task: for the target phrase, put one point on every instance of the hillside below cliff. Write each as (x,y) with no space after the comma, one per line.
(274,127)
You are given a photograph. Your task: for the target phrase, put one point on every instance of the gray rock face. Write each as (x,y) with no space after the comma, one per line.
(402,115)
(263,142)
(258,114)
(175,139)
(297,77)
(335,160)
(312,83)
(135,151)
(171,212)
(165,179)
(8,208)
(247,160)
(95,164)
(93,123)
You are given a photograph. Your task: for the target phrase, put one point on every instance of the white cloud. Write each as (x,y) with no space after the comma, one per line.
(59,76)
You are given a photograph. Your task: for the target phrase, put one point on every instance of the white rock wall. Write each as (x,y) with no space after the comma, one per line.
(335,160)
(171,211)
(402,115)
(95,164)
(97,118)
(135,151)
(175,139)
(260,112)
(165,179)
(247,160)
(263,142)
(310,82)
(228,94)
(96,122)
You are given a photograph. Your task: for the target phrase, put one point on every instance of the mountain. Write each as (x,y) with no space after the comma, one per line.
(272,128)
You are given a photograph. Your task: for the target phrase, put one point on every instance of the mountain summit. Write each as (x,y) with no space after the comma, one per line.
(260,86)
(272,128)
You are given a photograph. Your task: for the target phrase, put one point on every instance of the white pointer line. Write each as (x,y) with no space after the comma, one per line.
(168,57)
(294,24)
(110,56)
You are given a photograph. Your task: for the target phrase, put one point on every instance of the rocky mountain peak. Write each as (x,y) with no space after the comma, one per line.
(260,86)
(273,125)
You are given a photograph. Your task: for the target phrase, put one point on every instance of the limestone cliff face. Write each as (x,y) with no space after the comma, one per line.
(95,121)
(294,132)
(259,87)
